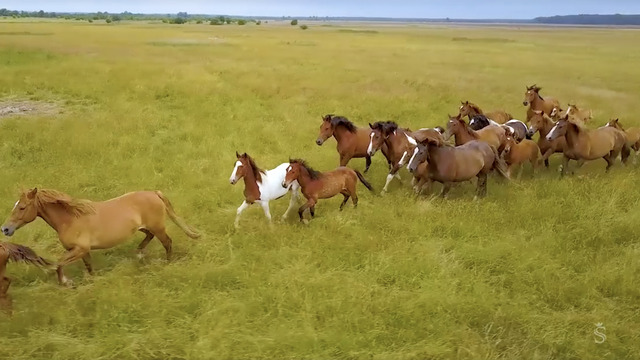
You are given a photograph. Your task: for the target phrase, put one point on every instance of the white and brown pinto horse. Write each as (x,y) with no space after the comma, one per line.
(261,186)
(399,143)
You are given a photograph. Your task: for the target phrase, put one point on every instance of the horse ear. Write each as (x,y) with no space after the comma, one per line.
(237,155)
(32,193)
(371,126)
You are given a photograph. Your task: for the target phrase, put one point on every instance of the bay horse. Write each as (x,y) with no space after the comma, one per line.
(577,114)
(14,252)
(532,98)
(472,110)
(84,225)
(543,124)
(261,186)
(399,143)
(583,144)
(317,185)
(352,141)
(632,134)
(493,134)
(447,164)
(517,153)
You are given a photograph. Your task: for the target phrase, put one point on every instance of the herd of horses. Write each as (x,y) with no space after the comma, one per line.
(483,143)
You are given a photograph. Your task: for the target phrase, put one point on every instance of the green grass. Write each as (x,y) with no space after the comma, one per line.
(523,274)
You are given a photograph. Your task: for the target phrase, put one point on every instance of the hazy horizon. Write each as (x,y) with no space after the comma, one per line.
(459,9)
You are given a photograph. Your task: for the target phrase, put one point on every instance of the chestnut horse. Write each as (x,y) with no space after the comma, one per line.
(399,143)
(352,141)
(516,153)
(536,102)
(14,252)
(261,186)
(577,114)
(493,134)
(472,110)
(583,144)
(316,185)
(632,134)
(447,164)
(84,225)
(543,124)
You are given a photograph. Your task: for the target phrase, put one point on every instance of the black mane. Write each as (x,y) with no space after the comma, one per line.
(314,174)
(341,120)
(386,127)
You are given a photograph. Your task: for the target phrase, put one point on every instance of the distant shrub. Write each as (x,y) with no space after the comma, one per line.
(216,22)
(258,22)
(242,22)
(90,20)
(108,20)
(228,21)
(199,22)
(178,20)
(165,21)
(294,22)
(304,27)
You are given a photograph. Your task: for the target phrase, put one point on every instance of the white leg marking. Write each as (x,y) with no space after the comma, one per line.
(265,207)
(292,203)
(241,208)
(386,185)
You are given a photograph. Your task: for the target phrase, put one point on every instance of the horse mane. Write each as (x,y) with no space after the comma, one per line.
(73,206)
(476,108)
(16,252)
(314,174)
(385,126)
(257,172)
(341,120)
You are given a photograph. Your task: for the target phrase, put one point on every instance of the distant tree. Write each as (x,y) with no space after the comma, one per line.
(116,17)
(294,22)
(215,22)
(227,20)
(258,22)
(304,27)
(199,22)
(108,20)
(183,14)
(178,20)
(90,20)
(242,22)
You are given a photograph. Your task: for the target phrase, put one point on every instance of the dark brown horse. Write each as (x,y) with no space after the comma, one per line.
(583,144)
(352,141)
(472,110)
(399,143)
(14,252)
(316,185)
(447,164)
(543,124)
(536,102)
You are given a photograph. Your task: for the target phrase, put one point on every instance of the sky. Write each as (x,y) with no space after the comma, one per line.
(457,9)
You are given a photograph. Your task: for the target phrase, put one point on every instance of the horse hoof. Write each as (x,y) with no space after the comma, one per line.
(305,221)
(68,283)
(140,256)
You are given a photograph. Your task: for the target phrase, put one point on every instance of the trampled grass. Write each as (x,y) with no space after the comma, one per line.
(524,274)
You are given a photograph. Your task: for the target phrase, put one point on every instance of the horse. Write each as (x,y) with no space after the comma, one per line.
(583,144)
(399,142)
(84,225)
(447,164)
(577,114)
(261,186)
(516,153)
(632,134)
(493,134)
(536,102)
(543,124)
(471,110)
(515,128)
(317,185)
(352,141)
(14,252)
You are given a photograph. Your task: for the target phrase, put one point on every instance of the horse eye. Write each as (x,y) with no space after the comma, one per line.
(22,207)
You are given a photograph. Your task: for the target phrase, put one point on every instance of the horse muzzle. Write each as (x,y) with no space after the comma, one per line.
(233,181)
(284,185)
(8,230)
(319,141)
(525,103)
(549,138)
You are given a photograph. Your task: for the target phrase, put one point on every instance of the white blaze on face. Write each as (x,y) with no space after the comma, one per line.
(568,111)
(235,170)
(16,204)
(461,107)
(370,148)
(553,131)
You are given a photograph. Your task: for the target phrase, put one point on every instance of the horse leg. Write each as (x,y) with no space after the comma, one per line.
(368,163)
(66,259)
(346,198)
(166,242)
(292,203)
(546,155)
(308,205)
(87,263)
(610,160)
(241,208)
(265,207)
(446,187)
(390,177)
(144,243)
(520,170)
(481,187)
(564,166)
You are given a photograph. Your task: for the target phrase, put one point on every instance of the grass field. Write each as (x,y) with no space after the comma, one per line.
(524,274)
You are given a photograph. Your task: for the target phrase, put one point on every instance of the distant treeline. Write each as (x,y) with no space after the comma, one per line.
(616,19)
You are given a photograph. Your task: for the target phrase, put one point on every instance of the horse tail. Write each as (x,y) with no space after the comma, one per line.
(25,254)
(191,232)
(364,181)
(499,163)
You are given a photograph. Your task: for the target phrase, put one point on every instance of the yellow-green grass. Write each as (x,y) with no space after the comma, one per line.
(524,274)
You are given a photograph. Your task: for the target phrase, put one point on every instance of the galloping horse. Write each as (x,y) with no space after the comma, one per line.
(15,252)
(472,110)
(447,164)
(493,134)
(399,142)
(517,153)
(577,114)
(84,225)
(543,124)
(532,98)
(515,128)
(316,185)
(352,141)
(632,134)
(261,186)
(583,144)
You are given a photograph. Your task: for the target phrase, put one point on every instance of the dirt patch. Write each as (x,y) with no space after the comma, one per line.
(16,107)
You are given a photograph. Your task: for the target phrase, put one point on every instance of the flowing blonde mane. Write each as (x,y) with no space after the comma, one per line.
(73,206)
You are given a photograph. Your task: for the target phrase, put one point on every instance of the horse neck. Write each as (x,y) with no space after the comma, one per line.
(473,112)
(342,134)
(464,136)
(304,178)
(573,135)
(251,189)
(537,102)
(546,128)
(56,216)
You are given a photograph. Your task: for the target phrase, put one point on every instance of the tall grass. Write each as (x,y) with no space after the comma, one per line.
(524,274)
